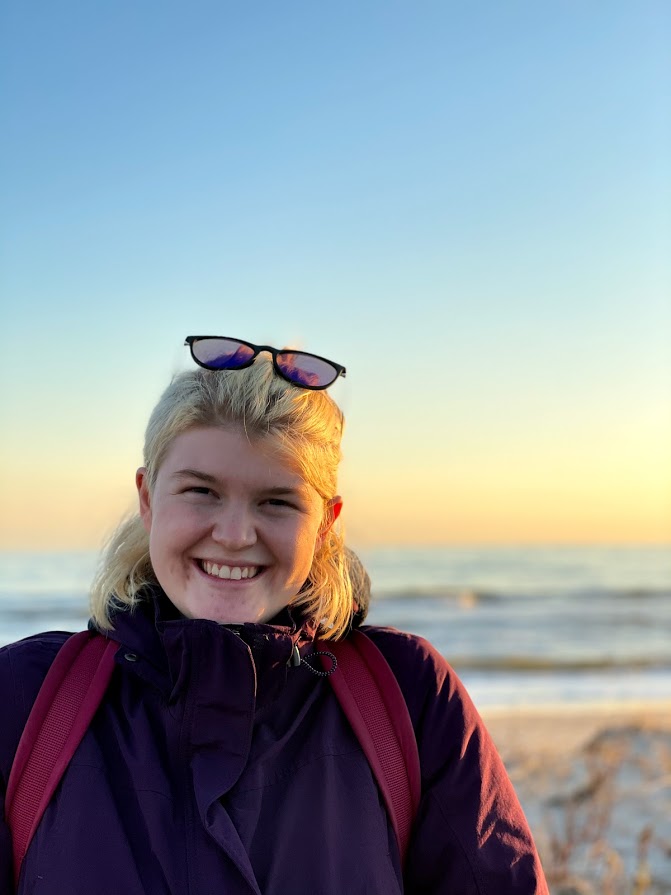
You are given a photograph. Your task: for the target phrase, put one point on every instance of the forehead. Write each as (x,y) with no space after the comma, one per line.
(218,450)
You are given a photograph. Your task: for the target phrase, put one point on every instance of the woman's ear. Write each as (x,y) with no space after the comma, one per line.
(142,485)
(331,513)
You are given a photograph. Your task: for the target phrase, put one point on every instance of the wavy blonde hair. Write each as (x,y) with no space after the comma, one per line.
(307,428)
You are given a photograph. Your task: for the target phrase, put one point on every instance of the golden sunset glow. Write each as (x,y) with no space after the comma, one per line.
(484,251)
(585,498)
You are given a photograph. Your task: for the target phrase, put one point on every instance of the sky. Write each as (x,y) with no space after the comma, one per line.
(467,205)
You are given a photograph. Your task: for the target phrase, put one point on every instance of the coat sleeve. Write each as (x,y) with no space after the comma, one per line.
(23,666)
(9,737)
(470,836)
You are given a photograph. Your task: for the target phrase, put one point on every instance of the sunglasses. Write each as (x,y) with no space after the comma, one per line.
(298,367)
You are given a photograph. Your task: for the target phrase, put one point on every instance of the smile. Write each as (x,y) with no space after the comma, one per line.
(235,573)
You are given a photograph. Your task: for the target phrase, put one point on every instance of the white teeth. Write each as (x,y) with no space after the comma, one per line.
(229,572)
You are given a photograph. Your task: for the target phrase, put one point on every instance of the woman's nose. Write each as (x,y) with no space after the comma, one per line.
(234,528)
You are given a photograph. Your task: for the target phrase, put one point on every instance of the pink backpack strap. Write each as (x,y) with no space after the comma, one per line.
(371,698)
(57,722)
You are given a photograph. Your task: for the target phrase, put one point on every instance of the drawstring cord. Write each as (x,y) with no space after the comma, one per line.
(296,660)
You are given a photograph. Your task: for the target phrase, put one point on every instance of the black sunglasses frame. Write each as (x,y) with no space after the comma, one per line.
(257,349)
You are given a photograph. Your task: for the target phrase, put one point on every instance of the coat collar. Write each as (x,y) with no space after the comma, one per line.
(161,644)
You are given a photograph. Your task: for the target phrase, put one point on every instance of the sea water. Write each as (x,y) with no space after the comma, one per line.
(521,626)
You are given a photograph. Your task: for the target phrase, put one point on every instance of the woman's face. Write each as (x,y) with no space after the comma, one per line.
(233,527)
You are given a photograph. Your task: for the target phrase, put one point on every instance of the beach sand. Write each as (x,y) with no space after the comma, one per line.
(595,784)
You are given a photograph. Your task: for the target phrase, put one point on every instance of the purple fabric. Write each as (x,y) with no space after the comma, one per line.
(213,767)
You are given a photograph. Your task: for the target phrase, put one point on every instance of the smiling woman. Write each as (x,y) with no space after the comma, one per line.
(239,463)
(219,754)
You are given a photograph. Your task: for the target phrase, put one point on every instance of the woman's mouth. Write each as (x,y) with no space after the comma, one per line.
(233,573)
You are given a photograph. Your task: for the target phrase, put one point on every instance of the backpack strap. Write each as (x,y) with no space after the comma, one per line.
(371,698)
(72,691)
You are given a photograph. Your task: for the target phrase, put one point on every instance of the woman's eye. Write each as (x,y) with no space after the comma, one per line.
(199,489)
(279,502)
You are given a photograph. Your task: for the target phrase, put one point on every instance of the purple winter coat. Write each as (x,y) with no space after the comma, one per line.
(214,767)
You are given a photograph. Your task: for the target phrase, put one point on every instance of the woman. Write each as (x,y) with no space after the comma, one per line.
(218,761)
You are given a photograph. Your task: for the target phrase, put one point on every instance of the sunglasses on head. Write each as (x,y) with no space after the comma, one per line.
(298,367)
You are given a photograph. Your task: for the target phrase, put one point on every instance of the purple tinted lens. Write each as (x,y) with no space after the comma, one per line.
(222,354)
(305,369)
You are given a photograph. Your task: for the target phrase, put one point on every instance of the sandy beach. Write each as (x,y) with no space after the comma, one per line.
(595,783)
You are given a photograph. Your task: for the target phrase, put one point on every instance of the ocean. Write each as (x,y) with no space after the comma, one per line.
(523,626)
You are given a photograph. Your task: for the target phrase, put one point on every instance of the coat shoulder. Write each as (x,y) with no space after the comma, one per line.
(404,648)
(23,667)
(423,673)
(439,705)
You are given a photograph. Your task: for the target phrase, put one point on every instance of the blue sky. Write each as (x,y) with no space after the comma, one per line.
(469,205)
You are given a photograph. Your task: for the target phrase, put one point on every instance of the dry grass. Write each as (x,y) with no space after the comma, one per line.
(607,828)
(600,812)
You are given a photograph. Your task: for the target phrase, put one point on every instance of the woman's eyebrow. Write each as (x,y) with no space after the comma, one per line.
(278,490)
(274,491)
(194,474)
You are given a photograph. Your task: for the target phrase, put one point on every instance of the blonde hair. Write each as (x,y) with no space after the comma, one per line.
(307,426)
